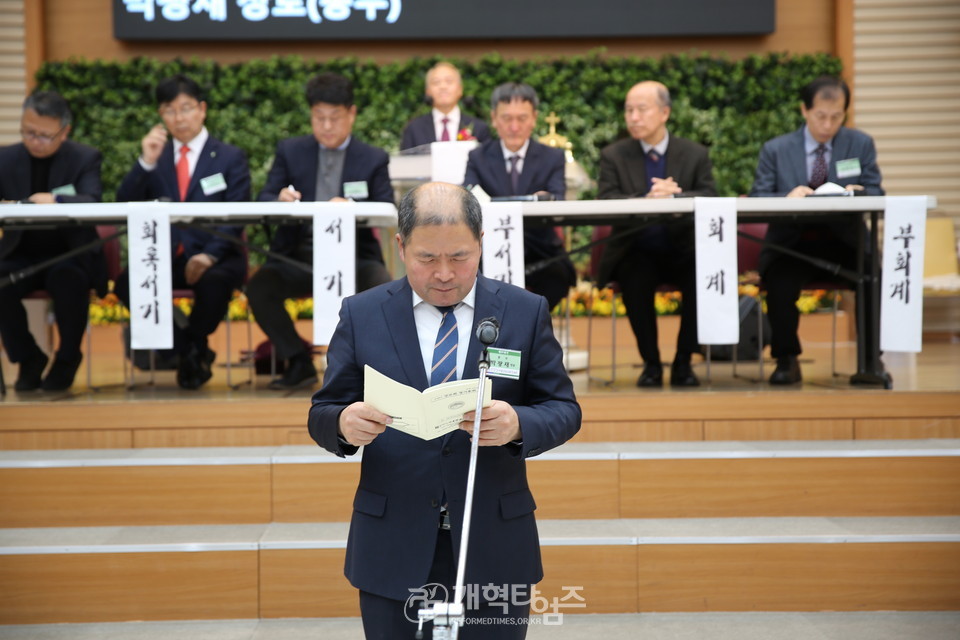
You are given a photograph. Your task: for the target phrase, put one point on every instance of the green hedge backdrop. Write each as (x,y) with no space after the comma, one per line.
(730,106)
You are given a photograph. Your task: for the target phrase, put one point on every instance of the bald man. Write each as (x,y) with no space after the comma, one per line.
(443,91)
(654,164)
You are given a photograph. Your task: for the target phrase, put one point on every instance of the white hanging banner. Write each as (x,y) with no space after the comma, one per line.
(901,281)
(503,242)
(149,262)
(718,311)
(334,266)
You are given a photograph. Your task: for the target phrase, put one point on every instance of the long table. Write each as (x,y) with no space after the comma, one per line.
(870,369)
(590,212)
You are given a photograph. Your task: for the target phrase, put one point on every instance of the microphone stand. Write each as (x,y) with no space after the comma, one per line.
(448,617)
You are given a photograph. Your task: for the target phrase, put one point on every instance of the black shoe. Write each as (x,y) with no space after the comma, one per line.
(787,371)
(61,374)
(193,370)
(31,372)
(682,375)
(652,376)
(300,372)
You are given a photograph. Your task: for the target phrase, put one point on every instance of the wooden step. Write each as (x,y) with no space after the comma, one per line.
(239,485)
(611,566)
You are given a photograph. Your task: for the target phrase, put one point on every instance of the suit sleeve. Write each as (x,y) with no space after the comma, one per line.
(136,185)
(765,180)
(869,171)
(609,186)
(380,188)
(238,190)
(550,414)
(471,177)
(480,130)
(278,177)
(87,182)
(556,181)
(406,140)
(703,183)
(342,386)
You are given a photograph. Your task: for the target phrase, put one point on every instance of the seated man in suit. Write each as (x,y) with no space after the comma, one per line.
(517,165)
(443,91)
(654,164)
(192,167)
(793,165)
(321,167)
(409,507)
(43,169)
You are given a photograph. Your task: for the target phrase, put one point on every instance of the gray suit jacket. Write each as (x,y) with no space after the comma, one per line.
(782,166)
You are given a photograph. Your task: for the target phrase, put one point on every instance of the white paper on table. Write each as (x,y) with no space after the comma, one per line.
(448,160)
(718,309)
(901,280)
(334,268)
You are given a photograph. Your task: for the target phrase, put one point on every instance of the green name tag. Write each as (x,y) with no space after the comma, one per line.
(848,168)
(65,190)
(356,190)
(213,184)
(504,363)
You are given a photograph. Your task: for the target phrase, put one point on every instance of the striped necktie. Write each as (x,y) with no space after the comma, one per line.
(444,366)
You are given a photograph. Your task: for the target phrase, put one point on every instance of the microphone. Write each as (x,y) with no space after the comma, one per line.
(488,330)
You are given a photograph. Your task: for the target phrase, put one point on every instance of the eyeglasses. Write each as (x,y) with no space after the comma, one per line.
(42,138)
(183,111)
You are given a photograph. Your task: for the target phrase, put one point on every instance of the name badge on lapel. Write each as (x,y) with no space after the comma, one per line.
(65,190)
(356,190)
(213,184)
(504,363)
(848,168)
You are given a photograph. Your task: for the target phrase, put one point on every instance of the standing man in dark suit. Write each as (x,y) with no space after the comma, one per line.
(517,165)
(43,169)
(793,165)
(445,121)
(409,507)
(192,167)
(654,164)
(328,166)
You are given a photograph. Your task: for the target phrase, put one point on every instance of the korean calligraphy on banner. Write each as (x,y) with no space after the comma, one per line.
(334,268)
(151,288)
(715,228)
(503,242)
(901,282)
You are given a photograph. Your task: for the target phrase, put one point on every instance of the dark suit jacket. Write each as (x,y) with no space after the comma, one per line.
(216,157)
(420,130)
(295,163)
(782,166)
(403,478)
(73,164)
(542,171)
(623,174)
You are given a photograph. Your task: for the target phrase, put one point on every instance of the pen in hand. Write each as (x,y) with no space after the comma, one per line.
(294,192)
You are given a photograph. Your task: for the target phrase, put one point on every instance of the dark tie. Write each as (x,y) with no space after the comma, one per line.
(819,173)
(654,156)
(445,136)
(444,366)
(515,174)
(183,172)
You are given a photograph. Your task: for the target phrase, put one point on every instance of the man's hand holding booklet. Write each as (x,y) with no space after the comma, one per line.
(434,412)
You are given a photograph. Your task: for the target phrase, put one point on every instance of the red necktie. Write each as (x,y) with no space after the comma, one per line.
(183,172)
(445,136)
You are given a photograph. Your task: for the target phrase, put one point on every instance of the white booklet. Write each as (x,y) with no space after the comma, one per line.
(428,414)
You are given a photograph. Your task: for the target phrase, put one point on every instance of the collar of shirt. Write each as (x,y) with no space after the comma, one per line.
(522,152)
(343,146)
(660,147)
(196,146)
(810,145)
(454,117)
(428,318)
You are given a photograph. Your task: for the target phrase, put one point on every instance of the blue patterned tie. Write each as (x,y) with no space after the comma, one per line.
(444,366)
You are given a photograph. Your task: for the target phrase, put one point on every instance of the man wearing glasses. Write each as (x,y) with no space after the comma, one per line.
(47,168)
(193,166)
